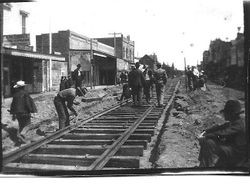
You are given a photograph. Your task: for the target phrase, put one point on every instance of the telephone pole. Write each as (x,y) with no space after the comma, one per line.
(114,34)
(115,52)
(1,52)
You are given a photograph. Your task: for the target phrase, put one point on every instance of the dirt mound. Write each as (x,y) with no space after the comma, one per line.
(192,113)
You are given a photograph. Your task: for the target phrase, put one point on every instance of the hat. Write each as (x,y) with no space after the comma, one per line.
(137,64)
(19,84)
(232,107)
(158,64)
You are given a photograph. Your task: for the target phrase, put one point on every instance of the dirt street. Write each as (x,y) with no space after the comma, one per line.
(46,120)
(192,113)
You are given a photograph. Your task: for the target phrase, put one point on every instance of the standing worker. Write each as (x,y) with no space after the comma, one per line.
(160,82)
(136,82)
(22,106)
(225,145)
(77,76)
(189,74)
(67,95)
(147,86)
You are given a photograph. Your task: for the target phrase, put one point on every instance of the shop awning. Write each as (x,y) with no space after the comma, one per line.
(31,54)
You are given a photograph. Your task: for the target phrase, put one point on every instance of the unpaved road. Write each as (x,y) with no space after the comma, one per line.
(192,113)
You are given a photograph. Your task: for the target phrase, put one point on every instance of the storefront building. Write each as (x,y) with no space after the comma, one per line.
(33,68)
(97,60)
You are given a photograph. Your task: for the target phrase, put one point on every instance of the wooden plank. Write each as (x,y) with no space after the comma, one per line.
(91,136)
(119,161)
(146,137)
(109,121)
(114,127)
(24,167)
(81,142)
(97,142)
(94,131)
(87,150)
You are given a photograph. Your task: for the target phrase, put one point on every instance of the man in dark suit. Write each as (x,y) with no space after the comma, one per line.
(77,76)
(22,106)
(225,145)
(136,81)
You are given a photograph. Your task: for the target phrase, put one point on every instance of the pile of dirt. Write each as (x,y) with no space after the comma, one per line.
(46,120)
(192,113)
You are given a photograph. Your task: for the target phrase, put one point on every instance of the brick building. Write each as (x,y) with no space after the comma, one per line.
(124,50)
(97,60)
(148,60)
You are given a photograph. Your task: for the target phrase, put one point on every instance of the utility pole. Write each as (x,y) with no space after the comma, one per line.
(91,64)
(115,52)
(1,52)
(185,73)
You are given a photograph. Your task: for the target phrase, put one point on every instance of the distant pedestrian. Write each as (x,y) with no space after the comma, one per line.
(77,76)
(160,82)
(189,74)
(22,106)
(136,82)
(63,97)
(195,76)
(225,145)
(147,88)
(63,83)
(123,78)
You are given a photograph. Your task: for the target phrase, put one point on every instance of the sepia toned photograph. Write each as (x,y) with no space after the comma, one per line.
(120,88)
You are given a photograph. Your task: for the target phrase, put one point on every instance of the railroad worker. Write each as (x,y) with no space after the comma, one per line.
(123,78)
(136,82)
(189,78)
(225,145)
(195,76)
(126,92)
(67,95)
(148,77)
(77,76)
(22,106)
(160,77)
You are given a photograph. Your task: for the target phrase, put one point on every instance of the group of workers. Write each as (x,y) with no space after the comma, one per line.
(223,145)
(141,81)
(195,79)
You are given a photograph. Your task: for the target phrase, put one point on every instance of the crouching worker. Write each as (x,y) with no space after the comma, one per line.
(225,145)
(67,95)
(126,92)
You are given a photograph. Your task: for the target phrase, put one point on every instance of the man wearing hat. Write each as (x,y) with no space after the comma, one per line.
(225,145)
(160,82)
(136,81)
(63,97)
(22,106)
(77,76)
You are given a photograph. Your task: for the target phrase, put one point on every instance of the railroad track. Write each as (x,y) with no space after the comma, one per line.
(112,139)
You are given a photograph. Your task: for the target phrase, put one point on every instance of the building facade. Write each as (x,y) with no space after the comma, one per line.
(98,63)
(20,61)
(149,61)
(124,50)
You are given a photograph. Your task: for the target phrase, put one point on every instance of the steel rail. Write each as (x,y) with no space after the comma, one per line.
(99,163)
(106,156)
(9,157)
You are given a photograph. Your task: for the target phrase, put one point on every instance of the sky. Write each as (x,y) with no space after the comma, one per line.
(172,29)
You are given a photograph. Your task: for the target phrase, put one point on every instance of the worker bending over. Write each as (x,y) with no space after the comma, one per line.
(67,95)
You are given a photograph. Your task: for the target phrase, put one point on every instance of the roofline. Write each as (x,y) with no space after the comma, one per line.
(31,54)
